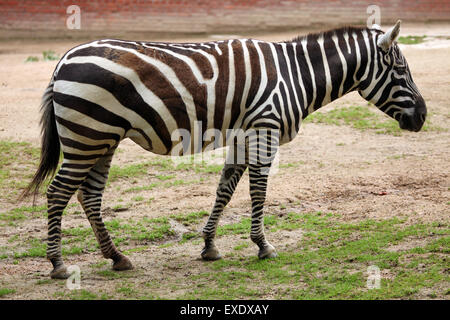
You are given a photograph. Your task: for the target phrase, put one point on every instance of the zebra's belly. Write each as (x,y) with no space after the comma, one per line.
(185,142)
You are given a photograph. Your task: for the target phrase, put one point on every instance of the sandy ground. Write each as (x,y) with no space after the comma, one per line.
(359,174)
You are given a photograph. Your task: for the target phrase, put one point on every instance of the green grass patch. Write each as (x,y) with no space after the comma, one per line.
(363,118)
(138,198)
(78,240)
(44,281)
(143,230)
(143,188)
(18,162)
(6,291)
(32,59)
(82,294)
(111,275)
(411,39)
(190,218)
(358,117)
(164,177)
(99,264)
(241,246)
(331,261)
(116,172)
(161,164)
(271,223)
(127,290)
(160,184)
(49,55)
(23,213)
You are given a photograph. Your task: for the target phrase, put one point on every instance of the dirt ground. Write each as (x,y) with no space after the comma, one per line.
(358,173)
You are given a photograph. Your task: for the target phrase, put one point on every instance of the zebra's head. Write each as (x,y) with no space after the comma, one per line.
(391,87)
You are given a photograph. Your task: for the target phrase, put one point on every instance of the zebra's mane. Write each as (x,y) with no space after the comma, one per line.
(329,33)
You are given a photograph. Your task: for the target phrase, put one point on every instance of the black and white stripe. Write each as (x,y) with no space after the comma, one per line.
(108,90)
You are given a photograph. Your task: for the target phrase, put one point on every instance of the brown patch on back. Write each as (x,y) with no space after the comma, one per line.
(157,82)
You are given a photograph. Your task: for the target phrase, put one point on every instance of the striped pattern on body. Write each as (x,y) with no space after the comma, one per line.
(107,90)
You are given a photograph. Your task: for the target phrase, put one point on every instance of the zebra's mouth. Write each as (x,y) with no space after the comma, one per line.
(412,122)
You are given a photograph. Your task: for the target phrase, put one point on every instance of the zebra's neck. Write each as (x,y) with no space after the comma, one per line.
(333,64)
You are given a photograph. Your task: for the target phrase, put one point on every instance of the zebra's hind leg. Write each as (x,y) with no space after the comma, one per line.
(231,174)
(59,192)
(90,198)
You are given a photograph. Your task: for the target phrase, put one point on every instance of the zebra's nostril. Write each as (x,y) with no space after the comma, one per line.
(422,117)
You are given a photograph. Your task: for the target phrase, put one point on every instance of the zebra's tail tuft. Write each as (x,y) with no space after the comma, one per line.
(50,145)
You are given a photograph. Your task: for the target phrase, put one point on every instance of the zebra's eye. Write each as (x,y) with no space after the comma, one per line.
(400,69)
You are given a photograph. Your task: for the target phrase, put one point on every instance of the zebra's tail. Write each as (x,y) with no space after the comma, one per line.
(50,145)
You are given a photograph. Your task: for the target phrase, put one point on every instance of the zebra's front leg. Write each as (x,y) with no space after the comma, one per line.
(90,198)
(263,149)
(231,174)
(258,186)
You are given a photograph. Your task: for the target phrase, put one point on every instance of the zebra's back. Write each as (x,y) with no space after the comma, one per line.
(147,91)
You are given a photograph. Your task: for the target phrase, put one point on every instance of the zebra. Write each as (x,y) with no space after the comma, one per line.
(105,91)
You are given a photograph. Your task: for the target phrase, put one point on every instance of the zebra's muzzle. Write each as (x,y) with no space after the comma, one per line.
(412,122)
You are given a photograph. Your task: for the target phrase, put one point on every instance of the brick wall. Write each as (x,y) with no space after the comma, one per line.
(202,16)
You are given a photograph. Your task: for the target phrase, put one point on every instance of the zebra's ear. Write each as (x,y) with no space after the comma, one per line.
(385,41)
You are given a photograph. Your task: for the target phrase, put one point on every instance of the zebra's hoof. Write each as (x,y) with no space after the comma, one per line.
(59,272)
(210,254)
(267,252)
(122,263)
